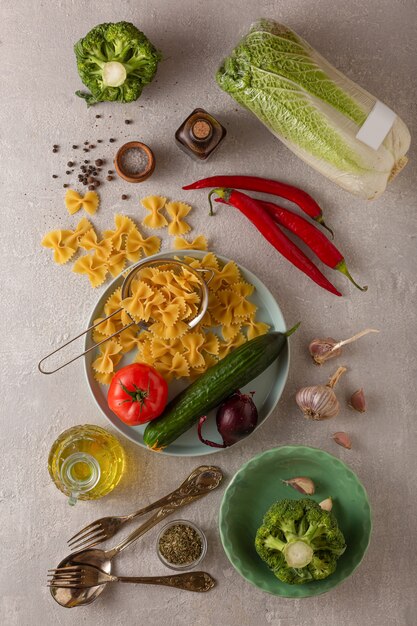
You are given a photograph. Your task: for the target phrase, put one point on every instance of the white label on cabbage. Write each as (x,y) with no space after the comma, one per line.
(377,125)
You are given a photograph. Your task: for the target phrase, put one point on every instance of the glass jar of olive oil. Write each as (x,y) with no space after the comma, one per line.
(86,463)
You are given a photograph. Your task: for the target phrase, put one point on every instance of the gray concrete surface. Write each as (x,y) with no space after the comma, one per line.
(374,43)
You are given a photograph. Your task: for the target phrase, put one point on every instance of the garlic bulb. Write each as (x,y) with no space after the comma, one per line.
(319,402)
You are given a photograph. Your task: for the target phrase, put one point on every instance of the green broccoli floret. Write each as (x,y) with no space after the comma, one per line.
(115,61)
(299,541)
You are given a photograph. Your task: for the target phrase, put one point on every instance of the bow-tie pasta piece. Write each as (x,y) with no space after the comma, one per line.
(95,269)
(175,366)
(116,263)
(109,356)
(137,304)
(193,343)
(178,211)
(199,243)
(154,204)
(62,243)
(255,329)
(74,201)
(89,241)
(227,346)
(124,225)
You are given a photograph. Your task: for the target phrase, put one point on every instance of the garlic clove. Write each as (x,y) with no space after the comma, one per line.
(323,349)
(318,402)
(358,401)
(342,439)
(303,484)
(326,504)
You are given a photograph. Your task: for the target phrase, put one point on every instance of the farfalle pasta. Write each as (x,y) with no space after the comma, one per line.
(89,241)
(106,256)
(74,201)
(92,267)
(154,204)
(199,243)
(63,244)
(166,300)
(178,211)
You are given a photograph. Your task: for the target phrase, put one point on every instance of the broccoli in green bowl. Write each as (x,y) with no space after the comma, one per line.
(299,541)
(115,61)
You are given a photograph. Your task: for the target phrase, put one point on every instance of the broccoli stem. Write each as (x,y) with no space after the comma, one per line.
(274,543)
(298,554)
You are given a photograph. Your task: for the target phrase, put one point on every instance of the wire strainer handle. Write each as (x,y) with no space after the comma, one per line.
(77,337)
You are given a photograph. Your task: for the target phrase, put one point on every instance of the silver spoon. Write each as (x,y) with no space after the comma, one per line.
(203,483)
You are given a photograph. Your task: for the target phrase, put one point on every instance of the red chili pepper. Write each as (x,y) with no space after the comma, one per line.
(271,231)
(265,185)
(312,236)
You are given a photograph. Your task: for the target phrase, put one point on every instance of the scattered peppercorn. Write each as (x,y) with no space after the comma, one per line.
(86,150)
(99,140)
(75,147)
(112,140)
(128,121)
(54,175)
(124,196)
(86,143)
(109,177)
(91,187)
(97,116)
(109,171)
(65,185)
(54,149)
(91,146)
(86,161)
(99,161)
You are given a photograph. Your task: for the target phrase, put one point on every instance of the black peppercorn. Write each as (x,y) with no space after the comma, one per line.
(54,176)
(74,147)
(124,196)
(112,140)
(109,177)
(99,161)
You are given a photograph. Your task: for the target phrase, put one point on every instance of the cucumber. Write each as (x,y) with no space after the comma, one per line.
(234,371)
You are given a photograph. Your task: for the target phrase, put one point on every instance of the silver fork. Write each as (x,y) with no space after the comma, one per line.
(85,576)
(203,479)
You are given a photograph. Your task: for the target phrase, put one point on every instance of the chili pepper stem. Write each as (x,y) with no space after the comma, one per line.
(342,267)
(321,221)
(220,191)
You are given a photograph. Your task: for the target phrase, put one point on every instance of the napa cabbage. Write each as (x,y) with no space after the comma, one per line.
(312,107)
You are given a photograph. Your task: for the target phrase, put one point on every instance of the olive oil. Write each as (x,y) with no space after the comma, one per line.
(86,463)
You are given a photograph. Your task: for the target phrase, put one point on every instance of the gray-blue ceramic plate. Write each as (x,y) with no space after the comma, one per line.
(268,386)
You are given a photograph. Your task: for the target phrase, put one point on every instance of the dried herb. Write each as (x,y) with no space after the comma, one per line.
(180,545)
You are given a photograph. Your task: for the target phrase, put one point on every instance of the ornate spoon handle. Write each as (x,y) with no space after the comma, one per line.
(192,581)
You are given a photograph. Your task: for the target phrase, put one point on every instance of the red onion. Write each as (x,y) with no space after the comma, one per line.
(236,418)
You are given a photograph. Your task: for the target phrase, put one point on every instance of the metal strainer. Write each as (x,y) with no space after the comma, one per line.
(174,266)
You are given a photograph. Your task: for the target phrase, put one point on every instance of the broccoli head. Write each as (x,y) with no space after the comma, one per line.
(299,541)
(115,61)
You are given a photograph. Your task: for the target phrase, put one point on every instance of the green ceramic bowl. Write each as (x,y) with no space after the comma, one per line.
(258,484)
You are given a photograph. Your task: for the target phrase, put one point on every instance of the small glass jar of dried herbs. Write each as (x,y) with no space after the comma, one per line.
(181,545)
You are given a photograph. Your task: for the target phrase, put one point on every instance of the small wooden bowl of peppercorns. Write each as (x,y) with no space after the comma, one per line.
(181,545)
